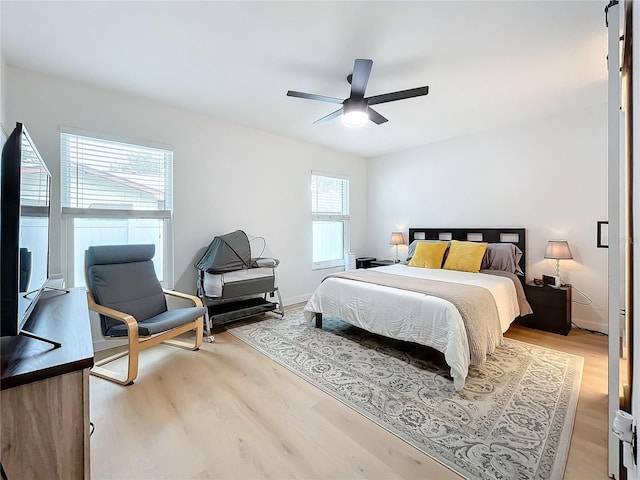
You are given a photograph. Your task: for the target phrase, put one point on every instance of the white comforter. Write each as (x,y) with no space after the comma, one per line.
(412,316)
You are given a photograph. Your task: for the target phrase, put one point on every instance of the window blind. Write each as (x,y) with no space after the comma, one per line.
(329,197)
(104,177)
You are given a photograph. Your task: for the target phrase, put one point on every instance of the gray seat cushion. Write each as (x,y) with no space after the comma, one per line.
(160,323)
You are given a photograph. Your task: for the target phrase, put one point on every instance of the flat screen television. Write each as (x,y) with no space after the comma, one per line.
(25,189)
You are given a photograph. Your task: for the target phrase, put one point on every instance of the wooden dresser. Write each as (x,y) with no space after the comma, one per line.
(44,392)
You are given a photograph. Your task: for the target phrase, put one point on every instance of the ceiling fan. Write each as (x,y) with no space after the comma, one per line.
(356,109)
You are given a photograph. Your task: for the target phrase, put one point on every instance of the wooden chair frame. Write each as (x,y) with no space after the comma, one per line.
(137,344)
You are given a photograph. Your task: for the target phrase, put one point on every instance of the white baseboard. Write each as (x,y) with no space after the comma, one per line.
(590,325)
(298,299)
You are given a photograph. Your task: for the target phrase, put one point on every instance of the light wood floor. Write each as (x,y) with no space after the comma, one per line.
(588,452)
(229,412)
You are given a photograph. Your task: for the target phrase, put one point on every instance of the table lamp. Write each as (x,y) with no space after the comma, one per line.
(558,250)
(397,238)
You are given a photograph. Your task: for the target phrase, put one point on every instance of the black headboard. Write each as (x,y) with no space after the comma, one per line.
(517,236)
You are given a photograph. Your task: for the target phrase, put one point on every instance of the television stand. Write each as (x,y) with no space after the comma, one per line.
(44,392)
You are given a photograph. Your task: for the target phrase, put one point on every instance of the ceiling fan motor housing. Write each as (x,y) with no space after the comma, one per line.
(357,106)
(354,104)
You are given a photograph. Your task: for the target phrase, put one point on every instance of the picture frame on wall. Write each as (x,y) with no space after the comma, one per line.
(603,235)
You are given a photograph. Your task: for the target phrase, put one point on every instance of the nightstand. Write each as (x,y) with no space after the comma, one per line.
(381,263)
(364,262)
(551,308)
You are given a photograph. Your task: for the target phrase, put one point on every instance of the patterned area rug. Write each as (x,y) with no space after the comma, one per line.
(513,419)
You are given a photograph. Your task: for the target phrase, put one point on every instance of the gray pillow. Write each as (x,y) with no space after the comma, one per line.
(502,256)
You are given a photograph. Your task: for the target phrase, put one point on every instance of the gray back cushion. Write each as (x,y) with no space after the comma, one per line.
(122,277)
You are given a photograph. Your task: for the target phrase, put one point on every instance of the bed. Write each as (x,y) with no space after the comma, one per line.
(461,314)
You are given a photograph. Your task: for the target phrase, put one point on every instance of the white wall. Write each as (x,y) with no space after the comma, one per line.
(3,95)
(226,176)
(549,176)
(3,85)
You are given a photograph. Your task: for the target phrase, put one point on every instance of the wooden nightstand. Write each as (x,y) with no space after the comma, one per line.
(381,263)
(551,308)
(364,262)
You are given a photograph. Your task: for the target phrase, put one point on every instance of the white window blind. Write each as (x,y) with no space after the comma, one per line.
(99,174)
(329,197)
(330,218)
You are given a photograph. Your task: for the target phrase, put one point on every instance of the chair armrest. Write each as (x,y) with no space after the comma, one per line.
(196,301)
(110,312)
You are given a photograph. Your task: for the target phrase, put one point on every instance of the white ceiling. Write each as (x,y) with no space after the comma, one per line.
(487,64)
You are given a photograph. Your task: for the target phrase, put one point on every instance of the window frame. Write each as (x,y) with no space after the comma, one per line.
(345,218)
(70,214)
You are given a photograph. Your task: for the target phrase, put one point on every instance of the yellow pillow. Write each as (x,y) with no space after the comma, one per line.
(428,255)
(465,256)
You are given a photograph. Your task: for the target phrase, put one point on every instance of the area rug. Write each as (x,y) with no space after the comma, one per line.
(513,419)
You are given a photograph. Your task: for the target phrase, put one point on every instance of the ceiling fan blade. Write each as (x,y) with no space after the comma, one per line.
(401,95)
(360,77)
(312,96)
(375,117)
(329,117)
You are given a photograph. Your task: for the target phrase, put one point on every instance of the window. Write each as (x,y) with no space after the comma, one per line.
(115,193)
(330,216)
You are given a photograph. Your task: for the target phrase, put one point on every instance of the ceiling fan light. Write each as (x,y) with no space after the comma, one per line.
(355,118)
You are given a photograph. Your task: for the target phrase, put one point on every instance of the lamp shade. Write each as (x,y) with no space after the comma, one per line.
(558,250)
(397,238)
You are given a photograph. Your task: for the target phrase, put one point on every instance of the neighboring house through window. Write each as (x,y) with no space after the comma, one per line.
(330,216)
(115,193)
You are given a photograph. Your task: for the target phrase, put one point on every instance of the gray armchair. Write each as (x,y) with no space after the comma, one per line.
(123,288)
